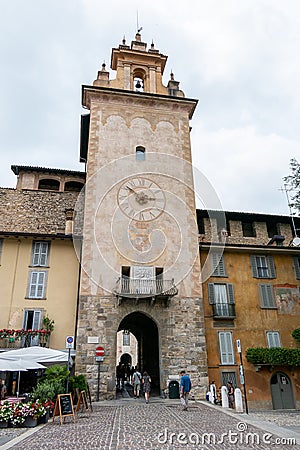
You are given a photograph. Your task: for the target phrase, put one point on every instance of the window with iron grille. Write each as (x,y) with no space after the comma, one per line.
(296,262)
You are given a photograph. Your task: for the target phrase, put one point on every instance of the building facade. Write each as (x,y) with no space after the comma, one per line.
(252,295)
(39,269)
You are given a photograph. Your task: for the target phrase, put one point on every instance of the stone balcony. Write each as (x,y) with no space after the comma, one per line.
(135,290)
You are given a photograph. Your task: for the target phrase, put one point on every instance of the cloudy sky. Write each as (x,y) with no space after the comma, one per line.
(240,58)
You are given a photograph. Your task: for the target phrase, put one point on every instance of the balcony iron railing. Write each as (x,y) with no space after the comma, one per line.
(138,288)
(223,310)
(15,339)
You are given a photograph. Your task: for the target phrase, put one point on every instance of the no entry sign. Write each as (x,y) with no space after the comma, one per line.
(99,351)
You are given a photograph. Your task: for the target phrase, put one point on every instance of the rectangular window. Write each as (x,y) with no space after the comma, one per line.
(221,297)
(267,299)
(228,376)
(273,339)
(226,347)
(126,338)
(248,229)
(40,252)
(218,265)
(296,262)
(262,266)
(37,284)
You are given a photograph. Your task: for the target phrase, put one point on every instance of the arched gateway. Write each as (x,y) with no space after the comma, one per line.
(137,218)
(146,332)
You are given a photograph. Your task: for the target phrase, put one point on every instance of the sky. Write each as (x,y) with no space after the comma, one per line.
(240,58)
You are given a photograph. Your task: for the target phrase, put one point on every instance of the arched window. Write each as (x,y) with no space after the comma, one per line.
(49,184)
(140,153)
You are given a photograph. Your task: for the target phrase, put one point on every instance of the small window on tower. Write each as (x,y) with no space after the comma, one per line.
(140,153)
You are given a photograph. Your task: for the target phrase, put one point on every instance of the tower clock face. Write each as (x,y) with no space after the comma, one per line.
(141,199)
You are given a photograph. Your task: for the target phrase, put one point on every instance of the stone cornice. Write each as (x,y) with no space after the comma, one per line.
(140,99)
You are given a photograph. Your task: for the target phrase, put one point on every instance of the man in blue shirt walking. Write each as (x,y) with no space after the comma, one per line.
(185,387)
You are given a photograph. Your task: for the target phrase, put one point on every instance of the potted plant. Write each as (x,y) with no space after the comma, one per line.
(6,414)
(18,417)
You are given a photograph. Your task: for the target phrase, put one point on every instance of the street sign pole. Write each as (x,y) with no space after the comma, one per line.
(242,374)
(99,353)
(69,345)
(98,390)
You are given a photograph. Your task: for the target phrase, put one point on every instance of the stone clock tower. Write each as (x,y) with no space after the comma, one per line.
(139,255)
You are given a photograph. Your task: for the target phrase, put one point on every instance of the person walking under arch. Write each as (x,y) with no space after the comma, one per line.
(136,381)
(146,380)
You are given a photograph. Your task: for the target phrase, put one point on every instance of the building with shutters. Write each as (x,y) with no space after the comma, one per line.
(39,268)
(251,293)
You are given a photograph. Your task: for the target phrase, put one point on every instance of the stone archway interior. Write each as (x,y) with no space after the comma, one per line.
(146,332)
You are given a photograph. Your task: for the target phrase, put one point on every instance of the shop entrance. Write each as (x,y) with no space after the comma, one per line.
(281,390)
(146,332)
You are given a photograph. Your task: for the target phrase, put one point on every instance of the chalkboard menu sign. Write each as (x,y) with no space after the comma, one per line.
(63,407)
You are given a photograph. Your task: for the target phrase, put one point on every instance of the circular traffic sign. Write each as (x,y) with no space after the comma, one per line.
(99,351)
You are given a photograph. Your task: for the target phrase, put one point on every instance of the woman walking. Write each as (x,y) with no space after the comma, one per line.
(146,380)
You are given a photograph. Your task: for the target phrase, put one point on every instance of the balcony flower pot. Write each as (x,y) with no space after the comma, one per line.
(4,424)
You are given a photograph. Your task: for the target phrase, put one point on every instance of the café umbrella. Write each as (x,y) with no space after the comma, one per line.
(18,365)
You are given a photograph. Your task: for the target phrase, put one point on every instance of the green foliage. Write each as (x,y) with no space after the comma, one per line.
(56,372)
(55,376)
(293,184)
(77,381)
(296,334)
(48,324)
(276,356)
(44,391)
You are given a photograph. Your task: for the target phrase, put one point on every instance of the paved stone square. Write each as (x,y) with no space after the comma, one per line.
(131,424)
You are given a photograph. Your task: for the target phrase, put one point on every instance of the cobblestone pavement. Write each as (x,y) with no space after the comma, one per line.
(161,425)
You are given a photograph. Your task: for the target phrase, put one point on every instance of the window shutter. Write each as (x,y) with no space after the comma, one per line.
(226,348)
(40,285)
(36,320)
(33,284)
(296,262)
(230,293)
(44,253)
(36,253)
(253,266)
(214,264)
(218,265)
(267,299)
(273,338)
(211,293)
(271,266)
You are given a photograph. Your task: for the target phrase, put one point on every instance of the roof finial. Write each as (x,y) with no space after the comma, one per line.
(172,75)
(124,40)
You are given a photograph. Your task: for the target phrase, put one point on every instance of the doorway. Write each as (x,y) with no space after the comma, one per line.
(146,332)
(281,391)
